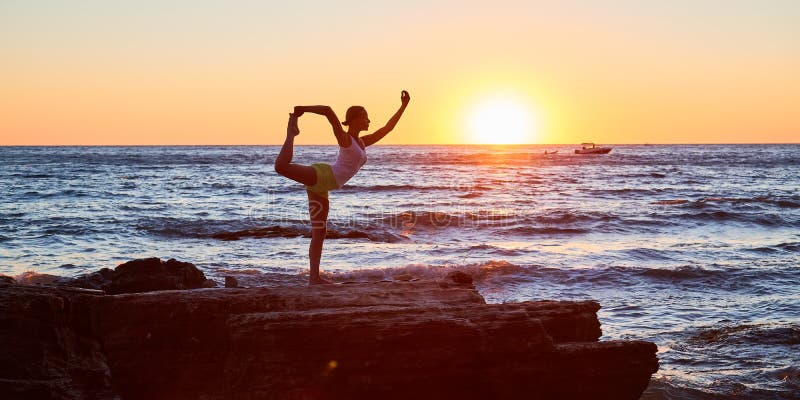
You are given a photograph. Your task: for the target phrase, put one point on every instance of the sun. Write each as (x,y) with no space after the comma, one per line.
(502,120)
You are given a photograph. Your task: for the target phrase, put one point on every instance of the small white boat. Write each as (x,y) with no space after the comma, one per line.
(590,148)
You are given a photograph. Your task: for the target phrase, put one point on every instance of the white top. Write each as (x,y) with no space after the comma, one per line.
(349,161)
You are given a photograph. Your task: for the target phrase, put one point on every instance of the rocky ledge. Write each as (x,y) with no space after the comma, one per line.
(404,340)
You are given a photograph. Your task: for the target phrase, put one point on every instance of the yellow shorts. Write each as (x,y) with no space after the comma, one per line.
(325,180)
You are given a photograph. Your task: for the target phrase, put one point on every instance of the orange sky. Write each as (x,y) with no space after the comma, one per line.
(207,72)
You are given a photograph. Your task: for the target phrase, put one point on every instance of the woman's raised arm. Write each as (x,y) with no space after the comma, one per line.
(338,131)
(380,133)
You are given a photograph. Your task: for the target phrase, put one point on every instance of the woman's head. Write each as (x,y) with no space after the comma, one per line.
(356,118)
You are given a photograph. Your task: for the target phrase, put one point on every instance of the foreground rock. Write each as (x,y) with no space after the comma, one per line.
(49,347)
(376,340)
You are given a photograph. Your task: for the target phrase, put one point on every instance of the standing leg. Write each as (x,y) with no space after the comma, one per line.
(283,163)
(318,207)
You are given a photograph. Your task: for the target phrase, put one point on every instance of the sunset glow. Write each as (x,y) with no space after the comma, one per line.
(502,121)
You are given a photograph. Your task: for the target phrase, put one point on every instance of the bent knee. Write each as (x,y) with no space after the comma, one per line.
(281,168)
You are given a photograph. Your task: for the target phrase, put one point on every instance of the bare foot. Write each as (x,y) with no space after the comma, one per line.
(318,281)
(292,129)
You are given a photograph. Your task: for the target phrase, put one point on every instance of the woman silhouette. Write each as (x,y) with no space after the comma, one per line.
(320,178)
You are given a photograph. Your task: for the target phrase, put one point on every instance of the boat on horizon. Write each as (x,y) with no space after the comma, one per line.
(591,148)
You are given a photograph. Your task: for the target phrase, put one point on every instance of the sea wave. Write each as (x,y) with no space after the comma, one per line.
(613,275)
(627,192)
(707,202)
(790,376)
(719,202)
(478,271)
(765,334)
(511,222)
(295,231)
(33,175)
(190,228)
(438,219)
(392,188)
(494,250)
(644,253)
(722,216)
(620,276)
(13,215)
(686,272)
(237,229)
(541,230)
(792,247)
(679,388)
(567,217)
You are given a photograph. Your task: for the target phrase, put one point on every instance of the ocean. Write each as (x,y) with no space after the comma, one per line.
(693,247)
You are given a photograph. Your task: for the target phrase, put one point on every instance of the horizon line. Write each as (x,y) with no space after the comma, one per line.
(407,144)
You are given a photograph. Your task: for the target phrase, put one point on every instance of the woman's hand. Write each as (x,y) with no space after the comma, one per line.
(298,111)
(404,97)
(291,127)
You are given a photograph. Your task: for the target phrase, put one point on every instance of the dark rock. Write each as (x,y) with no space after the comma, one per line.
(49,348)
(394,340)
(456,278)
(565,321)
(231,282)
(34,278)
(142,275)
(7,280)
(459,277)
(99,280)
(209,283)
(403,277)
(150,274)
